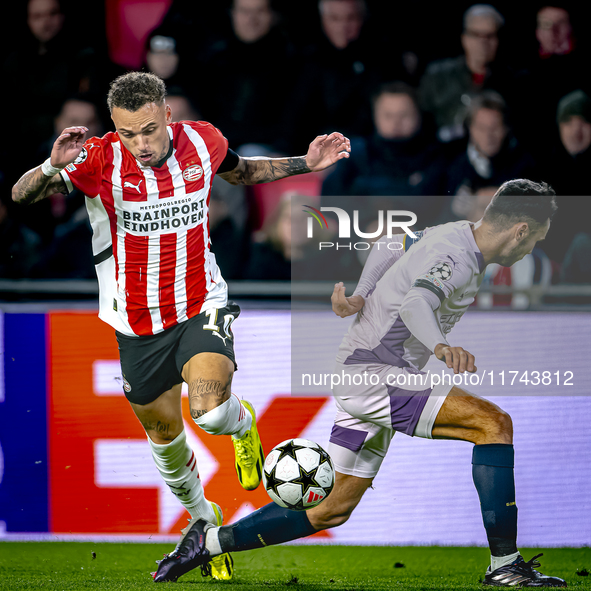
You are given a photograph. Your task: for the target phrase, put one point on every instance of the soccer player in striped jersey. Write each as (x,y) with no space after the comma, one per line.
(147,188)
(409,300)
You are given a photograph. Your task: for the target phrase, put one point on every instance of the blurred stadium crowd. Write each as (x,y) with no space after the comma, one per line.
(442,103)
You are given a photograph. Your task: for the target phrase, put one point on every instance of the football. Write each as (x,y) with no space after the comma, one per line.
(298,474)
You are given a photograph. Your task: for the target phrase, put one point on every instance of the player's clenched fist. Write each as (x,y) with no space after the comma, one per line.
(345,306)
(68,146)
(455,358)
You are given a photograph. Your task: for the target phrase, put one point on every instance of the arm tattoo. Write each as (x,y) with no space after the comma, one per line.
(196,413)
(253,171)
(34,186)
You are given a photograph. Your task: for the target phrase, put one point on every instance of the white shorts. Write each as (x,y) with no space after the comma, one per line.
(373,402)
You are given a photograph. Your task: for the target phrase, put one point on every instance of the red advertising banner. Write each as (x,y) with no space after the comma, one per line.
(102,477)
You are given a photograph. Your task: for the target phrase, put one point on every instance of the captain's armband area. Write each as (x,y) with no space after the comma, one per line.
(428,282)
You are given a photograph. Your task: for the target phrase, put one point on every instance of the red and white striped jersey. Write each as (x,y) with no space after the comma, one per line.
(151,228)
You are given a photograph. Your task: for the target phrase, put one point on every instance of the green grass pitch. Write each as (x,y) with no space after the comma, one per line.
(71,566)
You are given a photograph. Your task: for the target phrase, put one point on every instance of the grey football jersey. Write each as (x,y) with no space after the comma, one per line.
(446,269)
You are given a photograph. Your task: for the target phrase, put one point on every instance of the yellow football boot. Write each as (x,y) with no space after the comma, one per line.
(221,567)
(249,454)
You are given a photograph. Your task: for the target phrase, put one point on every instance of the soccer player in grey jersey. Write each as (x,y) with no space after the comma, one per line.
(406,304)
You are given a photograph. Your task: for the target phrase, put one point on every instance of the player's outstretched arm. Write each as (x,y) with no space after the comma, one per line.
(35,185)
(323,152)
(345,306)
(44,180)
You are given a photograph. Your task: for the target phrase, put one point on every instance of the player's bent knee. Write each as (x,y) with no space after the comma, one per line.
(162,438)
(162,418)
(498,428)
(505,423)
(205,395)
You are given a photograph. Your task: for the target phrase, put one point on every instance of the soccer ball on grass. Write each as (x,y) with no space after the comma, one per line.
(298,474)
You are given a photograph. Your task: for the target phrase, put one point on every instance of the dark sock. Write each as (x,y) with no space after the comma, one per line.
(492,471)
(267,526)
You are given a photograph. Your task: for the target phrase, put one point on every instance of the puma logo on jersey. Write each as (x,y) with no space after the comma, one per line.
(131,185)
(217,334)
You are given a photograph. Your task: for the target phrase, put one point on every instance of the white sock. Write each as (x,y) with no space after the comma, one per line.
(212,541)
(499,561)
(177,465)
(229,418)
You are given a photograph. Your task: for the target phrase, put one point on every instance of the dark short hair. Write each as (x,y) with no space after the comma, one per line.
(396,88)
(483,10)
(574,104)
(361,6)
(487,99)
(133,90)
(521,200)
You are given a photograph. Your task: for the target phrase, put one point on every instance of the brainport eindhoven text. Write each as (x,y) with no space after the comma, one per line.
(165,218)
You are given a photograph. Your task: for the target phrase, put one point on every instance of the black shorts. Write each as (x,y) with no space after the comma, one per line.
(152,364)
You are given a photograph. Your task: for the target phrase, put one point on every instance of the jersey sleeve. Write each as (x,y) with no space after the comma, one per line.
(384,253)
(217,144)
(85,173)
(442,275)
(417,313)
